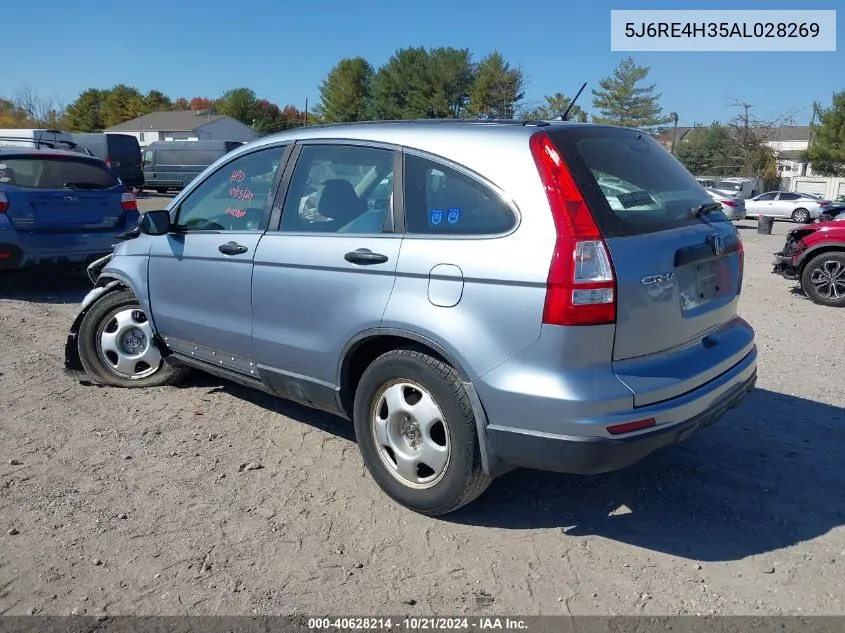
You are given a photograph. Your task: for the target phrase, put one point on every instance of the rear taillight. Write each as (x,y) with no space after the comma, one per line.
(730,203)
(4,202)
(108,161)
(581,287)
(129,202)
(630,427)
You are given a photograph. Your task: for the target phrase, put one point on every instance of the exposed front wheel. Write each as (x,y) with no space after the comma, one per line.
(823,279)
(416,431)
(116,345)
(801,215)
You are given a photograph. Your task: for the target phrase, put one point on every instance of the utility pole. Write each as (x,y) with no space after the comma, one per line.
(674,116)
(305,114)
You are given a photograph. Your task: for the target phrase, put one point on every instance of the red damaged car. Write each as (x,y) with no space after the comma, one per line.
(814,254)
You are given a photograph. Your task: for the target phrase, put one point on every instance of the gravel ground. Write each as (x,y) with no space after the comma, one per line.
(133,502)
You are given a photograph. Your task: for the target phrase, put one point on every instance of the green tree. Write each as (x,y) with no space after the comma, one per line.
(555,105)
(157,101)
(710,150)
(448,77)
(86,113)
(238,103)
(399,86)
(827,147)
(345,93)
(496,88)
(621,101)
(122,103)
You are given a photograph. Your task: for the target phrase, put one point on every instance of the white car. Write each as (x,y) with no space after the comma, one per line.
(788,205)
(732,207)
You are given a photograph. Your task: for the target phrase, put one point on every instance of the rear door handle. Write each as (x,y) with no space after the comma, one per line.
(365,257)
(232,248)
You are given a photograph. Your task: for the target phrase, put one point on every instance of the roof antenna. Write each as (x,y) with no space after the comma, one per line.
(563,116)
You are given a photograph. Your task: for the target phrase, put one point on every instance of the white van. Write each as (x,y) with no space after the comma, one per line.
(744,188)
(38,139)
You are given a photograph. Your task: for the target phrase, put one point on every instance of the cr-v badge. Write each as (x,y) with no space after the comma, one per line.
(661,278)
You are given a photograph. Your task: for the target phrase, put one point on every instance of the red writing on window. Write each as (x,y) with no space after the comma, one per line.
(235,213)
(241,193)
(238,175)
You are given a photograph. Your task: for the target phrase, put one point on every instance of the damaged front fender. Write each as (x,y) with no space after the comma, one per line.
(73,365)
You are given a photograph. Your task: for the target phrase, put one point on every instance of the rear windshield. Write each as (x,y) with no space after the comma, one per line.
(187,157)
(728,186)
(631,183)
(55,173)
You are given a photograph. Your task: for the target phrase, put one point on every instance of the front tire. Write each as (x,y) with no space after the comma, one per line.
(802,216)
(416,431)
(116,345)
(823,279)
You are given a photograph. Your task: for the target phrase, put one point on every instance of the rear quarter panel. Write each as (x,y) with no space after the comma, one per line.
(503,278)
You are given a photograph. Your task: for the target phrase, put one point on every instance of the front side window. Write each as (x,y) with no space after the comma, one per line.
(766,197)
(339,189)
(440,200)
(233,197)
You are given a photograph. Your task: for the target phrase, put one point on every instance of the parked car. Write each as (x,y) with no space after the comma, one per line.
(59,207)
(121,152)
(546,295)
(706,181)
(733,208)
(174,164)
(832,213)
(744,188)
(786,205)
(815,256)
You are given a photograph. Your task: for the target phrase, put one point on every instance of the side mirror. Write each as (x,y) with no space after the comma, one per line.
(155,222)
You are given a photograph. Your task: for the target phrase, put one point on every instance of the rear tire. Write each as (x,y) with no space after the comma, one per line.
(823,279)
(116,345)
(416,431)
(801,216)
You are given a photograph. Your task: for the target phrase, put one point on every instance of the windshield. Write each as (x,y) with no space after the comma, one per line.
(728,186)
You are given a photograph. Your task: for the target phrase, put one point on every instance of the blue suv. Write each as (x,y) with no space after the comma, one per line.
(59,207)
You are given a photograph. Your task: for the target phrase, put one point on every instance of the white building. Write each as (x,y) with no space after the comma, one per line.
(186,125)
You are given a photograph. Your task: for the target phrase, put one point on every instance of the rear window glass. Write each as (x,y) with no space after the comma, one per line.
(725,185)
(440,200)
(631,183)
(187,157)
(55,173)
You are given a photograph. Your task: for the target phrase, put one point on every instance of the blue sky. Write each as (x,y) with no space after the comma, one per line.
(284,49)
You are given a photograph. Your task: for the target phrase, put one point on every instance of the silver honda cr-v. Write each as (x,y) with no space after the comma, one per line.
(474,296)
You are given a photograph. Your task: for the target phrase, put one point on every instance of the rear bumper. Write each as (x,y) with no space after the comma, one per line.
(594,451)
(593,455)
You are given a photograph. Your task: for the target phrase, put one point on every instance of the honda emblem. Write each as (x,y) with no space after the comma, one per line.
(718,243)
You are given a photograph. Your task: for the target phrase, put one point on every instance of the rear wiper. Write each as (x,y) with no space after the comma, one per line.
(82,185)
(704,208)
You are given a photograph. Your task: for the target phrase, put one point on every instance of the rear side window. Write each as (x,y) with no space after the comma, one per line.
(55,173)
(181,157)
(631,183)
(440,200)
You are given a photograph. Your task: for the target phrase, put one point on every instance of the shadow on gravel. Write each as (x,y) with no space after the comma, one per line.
(46,284)
(767,476)
(318,419)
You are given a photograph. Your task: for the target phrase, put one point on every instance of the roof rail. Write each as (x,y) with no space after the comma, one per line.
(49,143)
